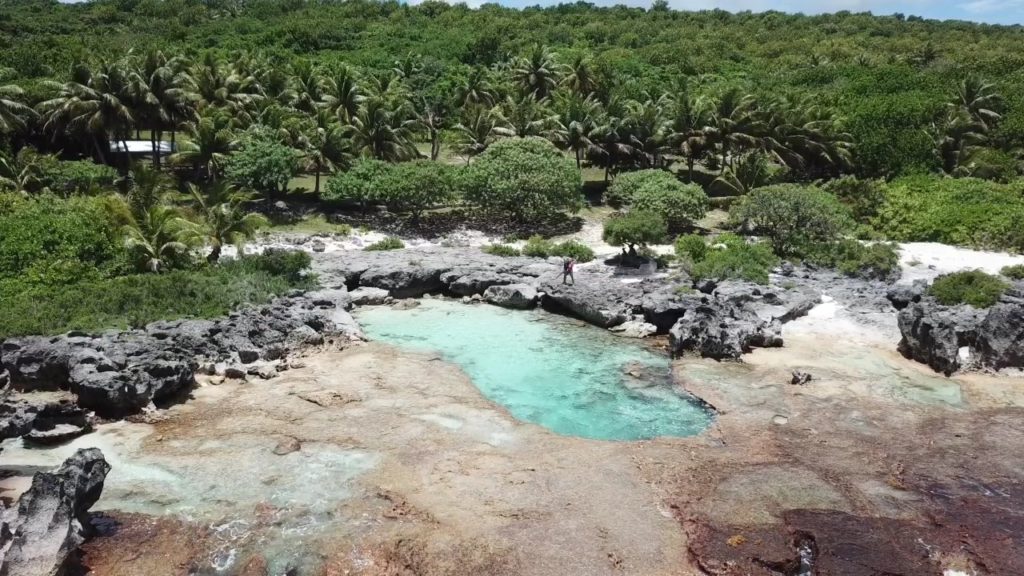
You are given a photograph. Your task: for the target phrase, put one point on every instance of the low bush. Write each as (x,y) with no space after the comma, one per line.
(288,264)
(1015,272)
(131,301)
(537,247)
(692,246)
(973,287)
(501,250)
(573,249)
(961,211)
(389,243)
(862,197)
(540,247)
(732,258)
(791,216)
(879,260)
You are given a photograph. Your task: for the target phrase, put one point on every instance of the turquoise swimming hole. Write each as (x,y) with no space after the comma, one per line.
(571,379)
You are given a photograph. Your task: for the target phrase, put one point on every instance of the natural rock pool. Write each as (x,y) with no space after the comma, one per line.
(574,380)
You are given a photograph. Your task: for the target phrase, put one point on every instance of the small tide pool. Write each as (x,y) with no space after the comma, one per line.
(572,379)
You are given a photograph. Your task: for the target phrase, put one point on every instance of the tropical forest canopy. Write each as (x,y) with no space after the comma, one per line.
(816,130)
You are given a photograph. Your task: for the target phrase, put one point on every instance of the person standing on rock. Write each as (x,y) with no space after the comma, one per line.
(567,267)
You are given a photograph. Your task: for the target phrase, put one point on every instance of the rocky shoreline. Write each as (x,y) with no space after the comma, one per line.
(56,387)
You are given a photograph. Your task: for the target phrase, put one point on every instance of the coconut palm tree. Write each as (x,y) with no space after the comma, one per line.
(537,74)
(526,116)
(430,118)
(308,87)
(733,126)
(611,139)
(208,149)
(14,115)
(647,127)
(343,93)
(688,117)
(476,89)
(223,219)
(575,123)
(156,237)
(980,99)
(382,131)
(326,151)
(90,107)
(957,136)
(579,77)
(479,128)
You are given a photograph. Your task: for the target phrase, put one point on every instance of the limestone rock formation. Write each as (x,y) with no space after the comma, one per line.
(518,296)
(52,517)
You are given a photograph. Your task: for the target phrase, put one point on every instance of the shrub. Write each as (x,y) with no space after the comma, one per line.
(660,192)
(501,250)
(526,179)
(791,215)
(263,164)
(634,228)
(288,264)
(49,240)
(962,211)
(1015,272)
(862,197)
(738,260)
(356,185)
(879,260)
(973,287)
(133,301)
(538,247)
(389,243)
(573,249)
(692,246)
(413,186)
(65,177)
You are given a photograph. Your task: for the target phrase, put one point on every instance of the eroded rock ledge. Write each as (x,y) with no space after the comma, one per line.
(723,322)
(120,373)
(953,338)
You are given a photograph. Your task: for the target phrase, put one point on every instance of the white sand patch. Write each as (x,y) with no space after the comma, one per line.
(928,260)
(831,321)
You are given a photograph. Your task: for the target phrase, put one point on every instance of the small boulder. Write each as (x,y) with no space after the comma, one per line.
(287,446)
(367,296)
(800,378)
(517,296)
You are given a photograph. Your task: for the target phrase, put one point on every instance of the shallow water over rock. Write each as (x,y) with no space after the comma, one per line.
(574,380)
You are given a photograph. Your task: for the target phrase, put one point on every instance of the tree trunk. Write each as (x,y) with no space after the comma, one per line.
(316,190)
(579,164)
(435,145)
(99,152)
(214,255)
(689,168)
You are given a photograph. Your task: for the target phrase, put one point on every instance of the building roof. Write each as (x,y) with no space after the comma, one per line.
(141,147)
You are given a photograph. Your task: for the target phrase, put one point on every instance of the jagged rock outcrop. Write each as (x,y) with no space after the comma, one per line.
(116,374)
(52,517)
(722,331)
(518,296)
(42,421)
(1000,341)
(933,334)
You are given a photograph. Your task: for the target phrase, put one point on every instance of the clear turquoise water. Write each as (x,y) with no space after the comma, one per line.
(548,370)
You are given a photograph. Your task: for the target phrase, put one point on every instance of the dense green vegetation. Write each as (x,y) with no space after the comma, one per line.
(95,303)
(540,247)
(974,287)
(733,258)
(1015,272)
(389,243)
(964,211)
(815,129)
